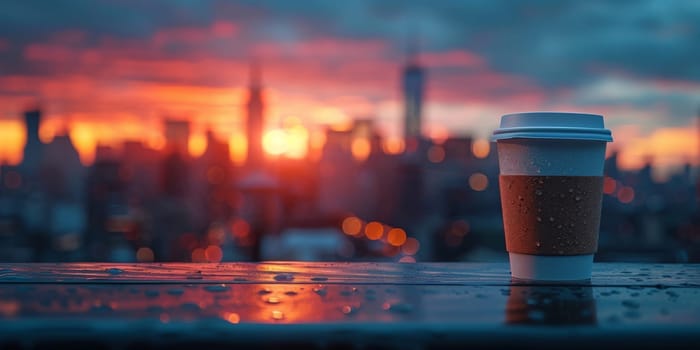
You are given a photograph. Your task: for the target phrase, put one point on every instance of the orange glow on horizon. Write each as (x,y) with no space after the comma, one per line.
(393,146)
(13,136)
(275,142)
(360,148)
(238,148)
(197,144)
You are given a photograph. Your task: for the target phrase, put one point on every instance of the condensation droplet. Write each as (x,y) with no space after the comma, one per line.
(539,219)
(284,277)
(577,198)
(551,219)
(538,192)
(217,288)
(538,244)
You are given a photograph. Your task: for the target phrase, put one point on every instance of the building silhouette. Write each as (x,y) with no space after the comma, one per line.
(255,120)
(413,91)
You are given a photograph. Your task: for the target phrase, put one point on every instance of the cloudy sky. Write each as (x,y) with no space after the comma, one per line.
(109,70)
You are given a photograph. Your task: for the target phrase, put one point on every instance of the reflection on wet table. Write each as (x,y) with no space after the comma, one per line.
(385,304)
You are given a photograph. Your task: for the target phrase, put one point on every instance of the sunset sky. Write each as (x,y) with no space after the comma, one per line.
(111,70)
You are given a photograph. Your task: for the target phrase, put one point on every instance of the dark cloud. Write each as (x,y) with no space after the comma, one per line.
(553,44)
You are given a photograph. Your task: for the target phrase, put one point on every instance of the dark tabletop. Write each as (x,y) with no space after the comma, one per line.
(351,305)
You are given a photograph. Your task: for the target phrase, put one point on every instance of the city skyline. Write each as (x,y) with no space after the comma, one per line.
(107,82)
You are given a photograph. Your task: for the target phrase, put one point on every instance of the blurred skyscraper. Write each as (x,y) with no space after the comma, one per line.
(255,119)
(413,86)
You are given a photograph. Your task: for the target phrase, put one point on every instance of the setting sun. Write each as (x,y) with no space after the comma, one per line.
(275,142)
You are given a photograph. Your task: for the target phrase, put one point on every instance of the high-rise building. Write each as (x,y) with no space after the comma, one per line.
(255,120)
(33,149)
(177,136)
(413,86)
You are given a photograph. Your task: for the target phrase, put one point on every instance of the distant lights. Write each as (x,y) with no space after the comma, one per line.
(609,185)
(478,182)
(352,226)
(145,254)
(481,148)
(436,154)
(625,195)
(411,246)
(395,240)
(396,237)
(374,230)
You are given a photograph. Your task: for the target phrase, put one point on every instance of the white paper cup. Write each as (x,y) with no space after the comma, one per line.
(548,237)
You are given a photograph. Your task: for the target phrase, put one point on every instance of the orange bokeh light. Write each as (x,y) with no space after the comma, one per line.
(213,253)
(396,237)
(481,148)
(625,195)
(436,154)
(198,255)
(393,146)
(275,142)
(609,185)
(231,317)
(478,182)
(360,148)
(352,226)
(411,246)
(197,144)
(238,148)
(374,230)
(144,254)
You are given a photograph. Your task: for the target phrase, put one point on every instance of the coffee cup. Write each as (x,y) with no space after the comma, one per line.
(551,185)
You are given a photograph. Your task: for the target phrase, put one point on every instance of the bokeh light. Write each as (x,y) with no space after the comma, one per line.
(374,230)
(478,182)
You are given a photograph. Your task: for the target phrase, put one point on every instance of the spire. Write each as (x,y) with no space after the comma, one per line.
(255,74)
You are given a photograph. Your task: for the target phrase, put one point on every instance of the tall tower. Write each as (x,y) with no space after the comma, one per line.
(254,122)
(33,148)
(413,86)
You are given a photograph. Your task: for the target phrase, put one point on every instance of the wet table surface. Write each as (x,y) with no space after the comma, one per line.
(354,305)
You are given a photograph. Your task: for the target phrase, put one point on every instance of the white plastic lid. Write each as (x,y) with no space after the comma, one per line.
(552,125)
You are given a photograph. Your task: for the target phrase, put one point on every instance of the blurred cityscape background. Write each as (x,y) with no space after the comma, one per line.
(213,131)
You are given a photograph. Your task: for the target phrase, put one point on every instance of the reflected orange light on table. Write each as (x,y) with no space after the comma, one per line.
(411,246)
